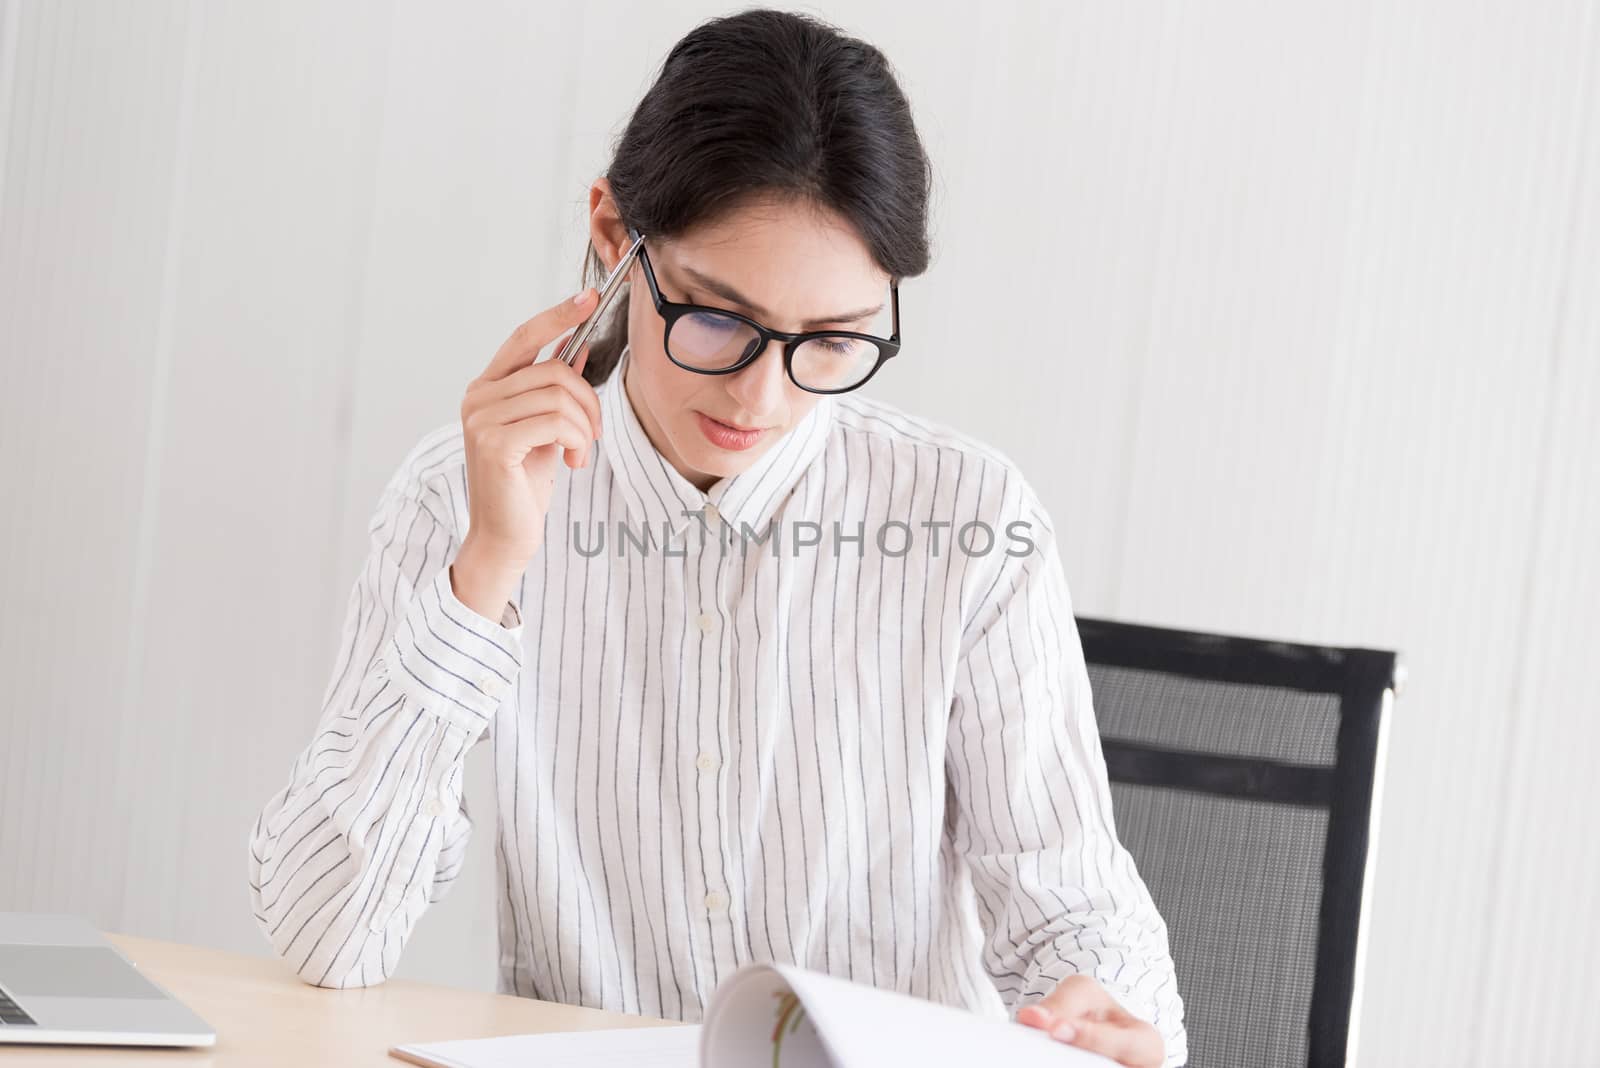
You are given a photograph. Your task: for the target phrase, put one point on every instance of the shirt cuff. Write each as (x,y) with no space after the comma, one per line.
(450,660)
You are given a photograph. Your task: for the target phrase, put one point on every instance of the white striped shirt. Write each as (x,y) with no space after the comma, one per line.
(879,762)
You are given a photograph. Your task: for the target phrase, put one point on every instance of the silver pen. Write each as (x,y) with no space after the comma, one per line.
(613,284)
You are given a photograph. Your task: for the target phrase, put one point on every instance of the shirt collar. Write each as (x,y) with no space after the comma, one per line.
(656,493)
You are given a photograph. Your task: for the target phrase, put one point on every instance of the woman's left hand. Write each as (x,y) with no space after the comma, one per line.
(1082,1013)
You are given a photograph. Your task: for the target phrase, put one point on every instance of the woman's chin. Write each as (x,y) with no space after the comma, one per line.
(721,463)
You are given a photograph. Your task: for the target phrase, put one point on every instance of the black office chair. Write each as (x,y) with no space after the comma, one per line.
(1243,775)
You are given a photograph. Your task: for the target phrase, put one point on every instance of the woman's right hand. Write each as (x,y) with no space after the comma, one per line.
(516,417)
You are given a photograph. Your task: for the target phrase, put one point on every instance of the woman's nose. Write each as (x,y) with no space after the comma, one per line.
(759,386)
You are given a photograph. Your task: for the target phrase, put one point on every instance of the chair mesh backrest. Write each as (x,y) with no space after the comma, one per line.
(1239,882)
(1224,790)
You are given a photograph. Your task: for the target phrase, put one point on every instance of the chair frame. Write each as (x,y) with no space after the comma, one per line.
(1365,682)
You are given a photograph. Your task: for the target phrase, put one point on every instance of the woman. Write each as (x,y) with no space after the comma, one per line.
(757,682)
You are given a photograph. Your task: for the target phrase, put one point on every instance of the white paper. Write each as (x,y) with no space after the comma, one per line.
(756,1018)
(629,1047)
(826,1023)
(863,1027)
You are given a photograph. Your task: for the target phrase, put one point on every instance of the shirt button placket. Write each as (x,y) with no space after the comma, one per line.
(713,713)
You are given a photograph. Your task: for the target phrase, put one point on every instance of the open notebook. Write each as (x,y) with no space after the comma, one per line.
(778,1016)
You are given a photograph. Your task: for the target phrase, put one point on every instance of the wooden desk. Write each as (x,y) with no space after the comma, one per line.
(264,1014)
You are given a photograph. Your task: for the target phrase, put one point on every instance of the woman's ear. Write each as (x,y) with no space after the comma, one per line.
(606,229)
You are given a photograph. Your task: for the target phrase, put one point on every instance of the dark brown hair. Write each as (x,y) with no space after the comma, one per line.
(768,104)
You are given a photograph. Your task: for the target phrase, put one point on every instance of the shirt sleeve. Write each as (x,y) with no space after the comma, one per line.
(371,826)
(1057,893)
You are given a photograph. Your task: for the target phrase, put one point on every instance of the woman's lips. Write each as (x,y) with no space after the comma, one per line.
(724,436)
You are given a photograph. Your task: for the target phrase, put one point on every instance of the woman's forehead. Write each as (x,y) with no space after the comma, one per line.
(777,264)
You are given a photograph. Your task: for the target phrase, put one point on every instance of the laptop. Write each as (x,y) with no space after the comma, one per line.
(62,982)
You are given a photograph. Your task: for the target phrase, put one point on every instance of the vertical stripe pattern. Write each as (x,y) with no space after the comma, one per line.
(831,712)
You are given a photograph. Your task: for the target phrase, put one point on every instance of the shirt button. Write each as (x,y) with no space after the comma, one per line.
(711,513)
(706,622)
(716,901)
(705,762)
(432,808)
(490,684)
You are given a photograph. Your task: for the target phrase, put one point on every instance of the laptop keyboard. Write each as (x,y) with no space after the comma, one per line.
(11,1013)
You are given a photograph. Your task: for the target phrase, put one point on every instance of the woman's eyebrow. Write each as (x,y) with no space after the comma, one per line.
(727,292)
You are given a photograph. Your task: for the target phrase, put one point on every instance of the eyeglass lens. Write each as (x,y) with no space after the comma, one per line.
(708,341)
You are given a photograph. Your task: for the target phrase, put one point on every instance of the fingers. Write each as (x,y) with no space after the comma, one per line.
(546,428)
(1036,1016)
(528,338)
(1082,1013)
(548,400)
(548,386)
(1074,996)
(552,373)
(1127,1041)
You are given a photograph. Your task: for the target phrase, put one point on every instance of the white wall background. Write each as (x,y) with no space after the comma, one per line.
(1305,298)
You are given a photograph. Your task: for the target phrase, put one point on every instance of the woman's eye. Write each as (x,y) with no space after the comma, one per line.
(711,321)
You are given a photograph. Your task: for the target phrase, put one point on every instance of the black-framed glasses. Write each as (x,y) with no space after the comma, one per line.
(716,341)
